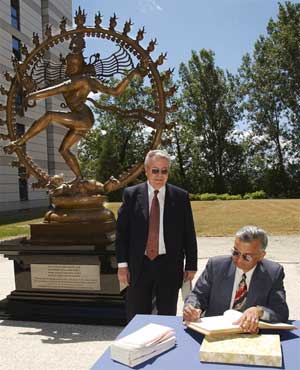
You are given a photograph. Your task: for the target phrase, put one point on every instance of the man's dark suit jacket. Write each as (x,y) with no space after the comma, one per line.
(179,231)
(213,290)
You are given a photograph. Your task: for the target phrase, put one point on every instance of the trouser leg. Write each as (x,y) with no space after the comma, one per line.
(139,295)
(166,300)
(165,288)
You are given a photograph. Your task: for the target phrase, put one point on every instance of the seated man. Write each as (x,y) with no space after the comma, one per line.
(244,281)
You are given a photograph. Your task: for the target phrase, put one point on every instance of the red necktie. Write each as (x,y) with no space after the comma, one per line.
(240,295)
(153,234)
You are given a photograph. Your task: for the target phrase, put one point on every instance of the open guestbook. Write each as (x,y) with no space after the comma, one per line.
(218,325)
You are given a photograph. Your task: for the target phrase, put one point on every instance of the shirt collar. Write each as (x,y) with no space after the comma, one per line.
(162,191)
(248,274)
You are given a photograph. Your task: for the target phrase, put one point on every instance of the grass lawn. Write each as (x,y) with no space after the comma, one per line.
(17,223)
(224,218)
(214,218)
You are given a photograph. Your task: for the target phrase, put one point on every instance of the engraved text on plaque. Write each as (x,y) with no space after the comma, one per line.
(70,277)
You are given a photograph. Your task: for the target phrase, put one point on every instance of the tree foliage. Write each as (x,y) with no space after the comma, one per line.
(270,91)
(209,111)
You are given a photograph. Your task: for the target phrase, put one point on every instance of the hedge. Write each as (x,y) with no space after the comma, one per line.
(260,194)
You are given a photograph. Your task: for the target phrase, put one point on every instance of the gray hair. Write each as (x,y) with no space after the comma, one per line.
(157,154)
(249,233)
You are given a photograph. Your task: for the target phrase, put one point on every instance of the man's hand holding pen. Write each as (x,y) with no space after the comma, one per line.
(191,313)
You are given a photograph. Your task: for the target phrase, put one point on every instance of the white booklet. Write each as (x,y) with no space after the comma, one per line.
(143,344)
(137,357)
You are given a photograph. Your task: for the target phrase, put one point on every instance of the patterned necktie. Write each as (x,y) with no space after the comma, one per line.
(153,234)
(240,295)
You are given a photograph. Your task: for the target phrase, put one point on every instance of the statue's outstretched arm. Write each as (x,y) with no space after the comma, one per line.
(50,91)
(118,90)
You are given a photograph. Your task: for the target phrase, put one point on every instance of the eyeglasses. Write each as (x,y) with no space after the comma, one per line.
(247,257)
(156,171)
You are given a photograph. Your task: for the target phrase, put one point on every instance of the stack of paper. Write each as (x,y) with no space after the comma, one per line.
(143,344)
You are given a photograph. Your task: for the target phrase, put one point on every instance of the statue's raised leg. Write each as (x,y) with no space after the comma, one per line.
(37,126)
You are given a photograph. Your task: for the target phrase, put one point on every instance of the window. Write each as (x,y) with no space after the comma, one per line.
(23,184)
(15,13)
(19,104)
(20,130)
(16,47)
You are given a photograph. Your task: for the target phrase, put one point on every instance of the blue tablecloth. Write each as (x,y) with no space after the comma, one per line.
(185,356)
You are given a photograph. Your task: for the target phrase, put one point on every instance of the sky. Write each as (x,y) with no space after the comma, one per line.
(227,27)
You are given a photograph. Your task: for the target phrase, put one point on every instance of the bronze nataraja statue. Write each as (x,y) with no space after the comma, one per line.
(80,119)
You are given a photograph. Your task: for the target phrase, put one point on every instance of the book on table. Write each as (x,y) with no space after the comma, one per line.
(223,324)
(145,343)
(242,349)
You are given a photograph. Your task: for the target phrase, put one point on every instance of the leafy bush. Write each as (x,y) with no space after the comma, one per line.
(208,196)
(194,196)
(223,196)
(213,196)
(234,197)
(260,194)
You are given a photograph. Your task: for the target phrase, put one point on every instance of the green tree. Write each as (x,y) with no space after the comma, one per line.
(270,82)
(209,111)
(285,35)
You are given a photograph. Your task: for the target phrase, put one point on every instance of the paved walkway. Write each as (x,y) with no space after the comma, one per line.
(36,346)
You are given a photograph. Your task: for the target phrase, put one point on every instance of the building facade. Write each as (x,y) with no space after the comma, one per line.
(18,20)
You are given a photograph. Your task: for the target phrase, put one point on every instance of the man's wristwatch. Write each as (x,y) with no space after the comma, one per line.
(260,311)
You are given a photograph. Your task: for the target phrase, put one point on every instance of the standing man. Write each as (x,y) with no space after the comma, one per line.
(244,281)
(155,234)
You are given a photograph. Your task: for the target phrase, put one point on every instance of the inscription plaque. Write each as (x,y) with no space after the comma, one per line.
(70,277)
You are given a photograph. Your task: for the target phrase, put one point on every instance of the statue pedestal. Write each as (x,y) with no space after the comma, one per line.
(70,283)
(67,270)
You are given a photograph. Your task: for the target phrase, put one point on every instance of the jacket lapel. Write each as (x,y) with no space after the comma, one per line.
(143,201)
(227,287)
(168,206)
(257,284)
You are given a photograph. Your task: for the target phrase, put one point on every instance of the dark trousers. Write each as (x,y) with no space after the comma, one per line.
(153,280)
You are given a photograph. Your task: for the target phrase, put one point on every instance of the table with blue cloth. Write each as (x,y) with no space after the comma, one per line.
(185,355)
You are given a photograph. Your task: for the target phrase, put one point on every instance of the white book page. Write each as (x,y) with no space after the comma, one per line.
(277,325)
(232,315)
(219,322)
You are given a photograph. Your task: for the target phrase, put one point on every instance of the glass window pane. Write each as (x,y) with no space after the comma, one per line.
(14,23)
(16,46)
(23,183)
(23,189)
(15,14)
